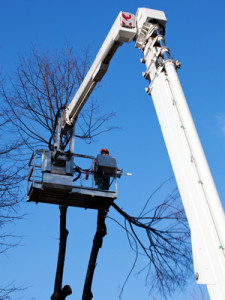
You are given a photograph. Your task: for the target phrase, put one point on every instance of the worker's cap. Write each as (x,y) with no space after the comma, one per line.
(104,151)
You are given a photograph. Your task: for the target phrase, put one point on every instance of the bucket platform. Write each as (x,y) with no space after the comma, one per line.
(61,190)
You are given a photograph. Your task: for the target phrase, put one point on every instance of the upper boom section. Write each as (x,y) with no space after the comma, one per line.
(125,28)
(122,31)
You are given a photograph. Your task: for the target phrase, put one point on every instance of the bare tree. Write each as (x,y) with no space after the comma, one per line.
(42,85)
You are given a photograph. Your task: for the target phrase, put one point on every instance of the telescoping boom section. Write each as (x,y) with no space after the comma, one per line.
(198,192)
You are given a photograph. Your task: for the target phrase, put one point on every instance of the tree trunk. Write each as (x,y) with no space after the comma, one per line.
(59,293)
(97,244)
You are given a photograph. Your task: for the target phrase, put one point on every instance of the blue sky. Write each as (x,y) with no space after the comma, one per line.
(195,34)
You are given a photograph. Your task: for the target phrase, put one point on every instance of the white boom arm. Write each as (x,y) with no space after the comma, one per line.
(123,30)
(198,192)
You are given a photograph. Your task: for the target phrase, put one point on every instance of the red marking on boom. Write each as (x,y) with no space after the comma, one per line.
(126,17)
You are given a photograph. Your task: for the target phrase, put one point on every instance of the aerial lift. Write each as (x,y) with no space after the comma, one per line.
(198,192)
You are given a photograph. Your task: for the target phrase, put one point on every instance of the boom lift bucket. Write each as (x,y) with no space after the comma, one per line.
(52,184)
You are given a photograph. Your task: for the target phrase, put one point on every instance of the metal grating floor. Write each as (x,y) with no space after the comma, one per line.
(78,197)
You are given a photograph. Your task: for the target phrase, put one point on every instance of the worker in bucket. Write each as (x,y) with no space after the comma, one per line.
(102,181)
(105,166)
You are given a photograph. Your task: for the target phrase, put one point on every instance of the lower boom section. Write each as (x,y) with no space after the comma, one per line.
(200,199)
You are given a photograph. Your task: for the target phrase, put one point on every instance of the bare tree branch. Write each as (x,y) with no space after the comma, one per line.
(166,243)
(42,84)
